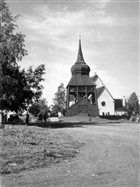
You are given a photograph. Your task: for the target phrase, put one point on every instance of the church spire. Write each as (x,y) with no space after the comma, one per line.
(80,67)
(80,58)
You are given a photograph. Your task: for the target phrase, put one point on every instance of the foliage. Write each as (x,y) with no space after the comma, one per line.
(11,49)
(11,43)
(59,99)
(33,80)
(17,87)
(133,104)
(40,109)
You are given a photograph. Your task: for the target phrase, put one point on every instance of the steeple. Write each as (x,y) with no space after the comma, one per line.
(80,67)
(81,90)
(80,58)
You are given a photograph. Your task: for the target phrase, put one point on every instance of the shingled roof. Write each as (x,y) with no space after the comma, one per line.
(94,79)
(118,103)
(78,80)
(100,91)
(121,109)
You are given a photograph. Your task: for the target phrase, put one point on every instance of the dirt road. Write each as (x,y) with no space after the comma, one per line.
(109,158)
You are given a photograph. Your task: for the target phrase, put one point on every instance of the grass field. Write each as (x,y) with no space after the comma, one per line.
(28,147)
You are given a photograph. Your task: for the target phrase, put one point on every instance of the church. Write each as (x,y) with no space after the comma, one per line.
(88,96)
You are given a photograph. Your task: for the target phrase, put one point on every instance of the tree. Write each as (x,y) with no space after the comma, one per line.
(59,99)
(40,109)
(11,49)
(133,104)
(17,87)
(33,80)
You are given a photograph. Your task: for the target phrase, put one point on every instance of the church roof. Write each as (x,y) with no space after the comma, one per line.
(78,80)
(100,91)
(94,79)
(121,109)
(118,103)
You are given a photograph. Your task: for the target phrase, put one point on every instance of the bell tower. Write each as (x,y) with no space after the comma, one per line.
(81,90)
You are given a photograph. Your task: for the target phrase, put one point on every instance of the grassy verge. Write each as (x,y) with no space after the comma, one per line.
(24,148)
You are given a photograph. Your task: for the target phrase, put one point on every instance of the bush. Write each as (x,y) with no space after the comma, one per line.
(14,119)
(115,117)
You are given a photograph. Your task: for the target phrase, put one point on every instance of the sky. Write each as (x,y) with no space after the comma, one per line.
(109,35)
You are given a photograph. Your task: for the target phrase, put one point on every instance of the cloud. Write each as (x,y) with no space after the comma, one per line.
(99,5)
(111,83)
(57,28)
(53,23)
(52,38)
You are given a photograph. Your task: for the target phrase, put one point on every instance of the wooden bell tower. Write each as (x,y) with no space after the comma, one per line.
(81,90)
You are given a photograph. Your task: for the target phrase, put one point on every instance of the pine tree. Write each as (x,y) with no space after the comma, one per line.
(133,104)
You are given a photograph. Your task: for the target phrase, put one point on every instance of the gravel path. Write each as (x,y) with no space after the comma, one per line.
(109,158)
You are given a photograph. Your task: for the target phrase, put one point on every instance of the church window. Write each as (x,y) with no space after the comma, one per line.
(103,103)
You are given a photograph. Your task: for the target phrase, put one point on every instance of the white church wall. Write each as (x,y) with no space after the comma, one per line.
(108,108)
